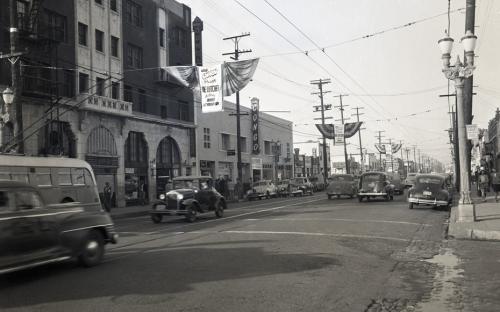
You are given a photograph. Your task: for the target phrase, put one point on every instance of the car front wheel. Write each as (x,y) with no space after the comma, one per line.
(92,251)
(191,215)
(410,205)
(219,210)
(156,218)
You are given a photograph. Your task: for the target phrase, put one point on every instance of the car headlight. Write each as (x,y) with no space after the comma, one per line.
(180,196)
(162,196)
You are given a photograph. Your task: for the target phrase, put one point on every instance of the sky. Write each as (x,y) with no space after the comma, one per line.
(394,75)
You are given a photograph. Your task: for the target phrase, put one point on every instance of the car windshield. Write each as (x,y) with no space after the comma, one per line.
(430,180)
(341,178)
(373,177)
(184,184)
(298,181)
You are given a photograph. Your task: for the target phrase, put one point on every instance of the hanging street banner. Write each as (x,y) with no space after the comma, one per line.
(255,126)
(339,134)
(210,88)
(351,128)
(327,130)
(213,82)
(396,147)
(380,148)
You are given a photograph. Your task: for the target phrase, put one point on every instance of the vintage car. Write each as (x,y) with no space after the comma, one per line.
(375,184)
(410,179)
(300,186)
(429,189)
(33,233)
(318,183)
(399,186)
(190,196)
(283,188)
(341,185)
(262,189)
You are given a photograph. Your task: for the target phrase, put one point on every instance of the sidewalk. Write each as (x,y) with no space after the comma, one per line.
(486,226)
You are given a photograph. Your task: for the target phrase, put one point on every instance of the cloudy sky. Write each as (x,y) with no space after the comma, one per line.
(395,74)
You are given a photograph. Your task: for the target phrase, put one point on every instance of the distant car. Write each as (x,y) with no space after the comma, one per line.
(300,186)
(262,189)
(318,183)
(399,186)
(429,189)
(410,179)
(190,196)
(33,233)
(283,188)
(341,185)
(375,184)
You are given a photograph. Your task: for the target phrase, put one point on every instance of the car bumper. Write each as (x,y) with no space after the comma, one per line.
(163,209)
(434,202)
(372,194)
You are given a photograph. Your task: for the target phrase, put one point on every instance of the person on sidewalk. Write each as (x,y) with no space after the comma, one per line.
(484,184)
(495,183)
(107,197)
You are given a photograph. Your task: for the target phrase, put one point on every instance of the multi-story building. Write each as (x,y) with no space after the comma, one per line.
(493,135)
(216,132)
(94,88)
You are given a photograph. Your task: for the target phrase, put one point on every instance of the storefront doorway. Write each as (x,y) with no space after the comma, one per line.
(136,169)
(168,164)
(102,156)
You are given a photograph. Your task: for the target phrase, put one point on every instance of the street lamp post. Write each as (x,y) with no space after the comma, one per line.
(458,73)
(8,99)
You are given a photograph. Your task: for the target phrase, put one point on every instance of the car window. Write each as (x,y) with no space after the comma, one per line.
(5,204)
(430,180)
(26,200)
(77,176)
(373,177)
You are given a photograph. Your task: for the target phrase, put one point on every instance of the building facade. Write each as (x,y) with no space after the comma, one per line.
(216,146)
(492,148)
(93,88)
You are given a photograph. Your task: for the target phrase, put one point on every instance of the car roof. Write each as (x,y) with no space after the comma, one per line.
(341,175)
(17,184)
(374,172)
(181,178)
(430,176)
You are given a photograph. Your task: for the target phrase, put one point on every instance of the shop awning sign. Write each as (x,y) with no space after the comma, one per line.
(256,163)
(339,134)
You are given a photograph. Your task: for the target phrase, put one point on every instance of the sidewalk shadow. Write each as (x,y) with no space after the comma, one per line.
(488,217)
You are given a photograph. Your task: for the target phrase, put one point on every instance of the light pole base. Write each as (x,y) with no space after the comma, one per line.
(466,213)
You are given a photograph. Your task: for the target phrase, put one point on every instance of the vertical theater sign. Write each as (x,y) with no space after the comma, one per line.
(255,126)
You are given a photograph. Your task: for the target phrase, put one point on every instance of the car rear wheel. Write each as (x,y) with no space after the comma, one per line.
(156,218)
(410,205)
(92,251)
(219,210)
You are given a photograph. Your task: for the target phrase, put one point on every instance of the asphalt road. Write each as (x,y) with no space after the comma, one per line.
(295,254)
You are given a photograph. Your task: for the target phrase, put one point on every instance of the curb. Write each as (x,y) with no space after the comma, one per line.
(131,214)
(466,230)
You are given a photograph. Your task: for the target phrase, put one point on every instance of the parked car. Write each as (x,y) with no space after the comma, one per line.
(375,184)
(341,185)
(300,186)
(399,186)
(283,188)
(262,189)
(33,233)
(318,183)
(430,189)
(410,179)
(191,195)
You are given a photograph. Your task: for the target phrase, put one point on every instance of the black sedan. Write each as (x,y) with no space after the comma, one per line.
(429,189)
(33,234)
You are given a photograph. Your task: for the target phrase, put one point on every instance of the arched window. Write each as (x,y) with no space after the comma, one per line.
(101,142)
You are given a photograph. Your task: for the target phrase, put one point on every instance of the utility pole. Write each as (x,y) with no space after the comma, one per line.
(321,108)
(359,135)
(380,144)
(407,150)
(419,161)
(415,158)
(235,56)
(13,58)
(341,108)
(392,160)
(470,17)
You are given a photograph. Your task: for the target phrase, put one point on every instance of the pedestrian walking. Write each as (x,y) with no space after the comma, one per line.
(107,196)
(484,183)
(495,183)
(141,193)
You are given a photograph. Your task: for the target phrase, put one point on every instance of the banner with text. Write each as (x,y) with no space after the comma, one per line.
(255,126)
(339,134)
(210,83)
